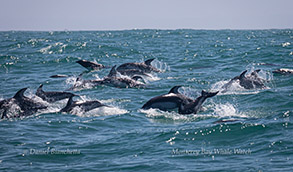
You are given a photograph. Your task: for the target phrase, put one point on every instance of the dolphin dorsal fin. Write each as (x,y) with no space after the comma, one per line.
(242,75)
(40,89)
(175,89)
(70,101)
(149,61)
(20,93)
(112,71)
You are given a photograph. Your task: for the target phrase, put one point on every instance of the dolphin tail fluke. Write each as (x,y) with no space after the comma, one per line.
(149,61)
(20,93)
(208,94)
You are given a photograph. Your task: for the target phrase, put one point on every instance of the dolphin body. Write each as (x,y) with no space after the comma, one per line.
(85,106)
(110,80)
(284,71)
(169,101)
(144,67)
(59,76)
(114,81)
(252,81)
(27,106)
(52,97)
(90,65)
(174,100)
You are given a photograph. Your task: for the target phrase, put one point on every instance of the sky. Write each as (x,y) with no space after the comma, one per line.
(51,15)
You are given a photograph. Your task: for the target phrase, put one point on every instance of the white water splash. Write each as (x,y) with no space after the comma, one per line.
(227,110)
(101,111)
(56,47)
(162,66)
(234,88)
(165,116)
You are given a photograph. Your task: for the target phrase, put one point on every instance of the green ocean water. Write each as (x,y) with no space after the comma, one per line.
(256,137)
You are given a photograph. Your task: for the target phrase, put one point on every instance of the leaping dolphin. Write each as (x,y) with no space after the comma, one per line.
(52,96)
(85,106)
(110,80)
(169,101)
(252,81)
(144,67)
(284,71)
(90,65)
(114,81)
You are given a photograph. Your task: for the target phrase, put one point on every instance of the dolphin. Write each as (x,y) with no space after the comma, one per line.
(169,101)
(283,71)
(252,81)
(85,106)
(110,80)
(144,67)
(114,81)
(52,97)
(27,106)
(195,105)
(90,65)
(81,83)
(59,76)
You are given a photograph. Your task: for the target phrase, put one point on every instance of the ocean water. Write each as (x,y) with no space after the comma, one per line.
(239,130)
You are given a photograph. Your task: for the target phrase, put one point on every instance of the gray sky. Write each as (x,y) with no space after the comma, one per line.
(145,14)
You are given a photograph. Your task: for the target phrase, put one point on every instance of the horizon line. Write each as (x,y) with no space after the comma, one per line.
(128,29)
